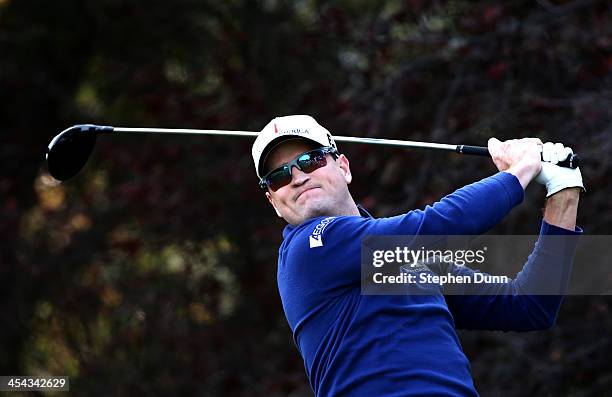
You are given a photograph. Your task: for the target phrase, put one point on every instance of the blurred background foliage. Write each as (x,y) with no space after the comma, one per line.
(153,271)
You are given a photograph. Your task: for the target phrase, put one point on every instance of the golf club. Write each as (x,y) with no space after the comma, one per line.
(69,150)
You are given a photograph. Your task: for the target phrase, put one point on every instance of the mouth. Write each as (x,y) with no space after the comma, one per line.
(304,191)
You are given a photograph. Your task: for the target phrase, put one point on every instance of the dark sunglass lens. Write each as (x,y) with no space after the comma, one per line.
(279,178)
(311,161)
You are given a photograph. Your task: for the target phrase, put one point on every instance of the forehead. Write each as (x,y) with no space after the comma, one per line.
(287,151)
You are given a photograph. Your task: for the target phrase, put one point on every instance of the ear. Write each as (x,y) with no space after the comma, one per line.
(343,163)
(271,200)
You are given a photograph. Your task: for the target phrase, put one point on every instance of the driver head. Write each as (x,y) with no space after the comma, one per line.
(69,150)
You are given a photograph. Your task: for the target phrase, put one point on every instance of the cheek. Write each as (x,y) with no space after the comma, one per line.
(336,178)
(281,197)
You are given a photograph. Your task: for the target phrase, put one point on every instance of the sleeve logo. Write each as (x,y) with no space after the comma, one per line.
(316,237)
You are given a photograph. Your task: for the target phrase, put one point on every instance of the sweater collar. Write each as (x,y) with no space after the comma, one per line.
(289,228)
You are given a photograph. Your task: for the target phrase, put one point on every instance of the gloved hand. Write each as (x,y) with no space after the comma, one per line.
(552,176)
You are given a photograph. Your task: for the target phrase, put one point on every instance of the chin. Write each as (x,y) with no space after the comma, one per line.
(316,208)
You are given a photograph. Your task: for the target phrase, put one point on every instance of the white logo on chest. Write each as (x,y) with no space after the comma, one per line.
(315,239)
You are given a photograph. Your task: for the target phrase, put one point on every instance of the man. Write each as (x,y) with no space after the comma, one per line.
(392,345)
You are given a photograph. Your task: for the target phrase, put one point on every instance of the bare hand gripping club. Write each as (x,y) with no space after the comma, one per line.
(69,150)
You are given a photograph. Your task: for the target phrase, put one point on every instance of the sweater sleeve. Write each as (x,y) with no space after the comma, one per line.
(528,302)
(470,210)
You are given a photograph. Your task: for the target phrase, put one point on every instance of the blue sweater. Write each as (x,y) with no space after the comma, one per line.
(366,345)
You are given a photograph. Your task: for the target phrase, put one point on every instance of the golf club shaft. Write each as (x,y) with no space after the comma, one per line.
(570,162)
(349,139)
(180,131)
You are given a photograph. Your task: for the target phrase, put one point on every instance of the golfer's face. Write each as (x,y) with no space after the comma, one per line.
(308,195)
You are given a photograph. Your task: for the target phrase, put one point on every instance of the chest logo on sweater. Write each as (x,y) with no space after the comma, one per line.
(316,237)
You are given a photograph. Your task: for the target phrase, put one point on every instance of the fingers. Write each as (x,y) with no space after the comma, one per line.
(506,153)
(564,153)
(559,152)
(555,152)
(498,150)
(548,152)
(527,157)
(493,143)
(567,154)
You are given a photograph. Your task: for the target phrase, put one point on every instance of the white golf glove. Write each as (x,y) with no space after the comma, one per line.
(554,177)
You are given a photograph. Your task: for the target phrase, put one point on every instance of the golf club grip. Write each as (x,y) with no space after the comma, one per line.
(573,161)
(474,150)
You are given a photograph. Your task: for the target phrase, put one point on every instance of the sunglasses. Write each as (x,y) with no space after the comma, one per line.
(306,162)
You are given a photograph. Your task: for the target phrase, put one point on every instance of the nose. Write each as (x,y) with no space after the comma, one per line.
(298,177)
